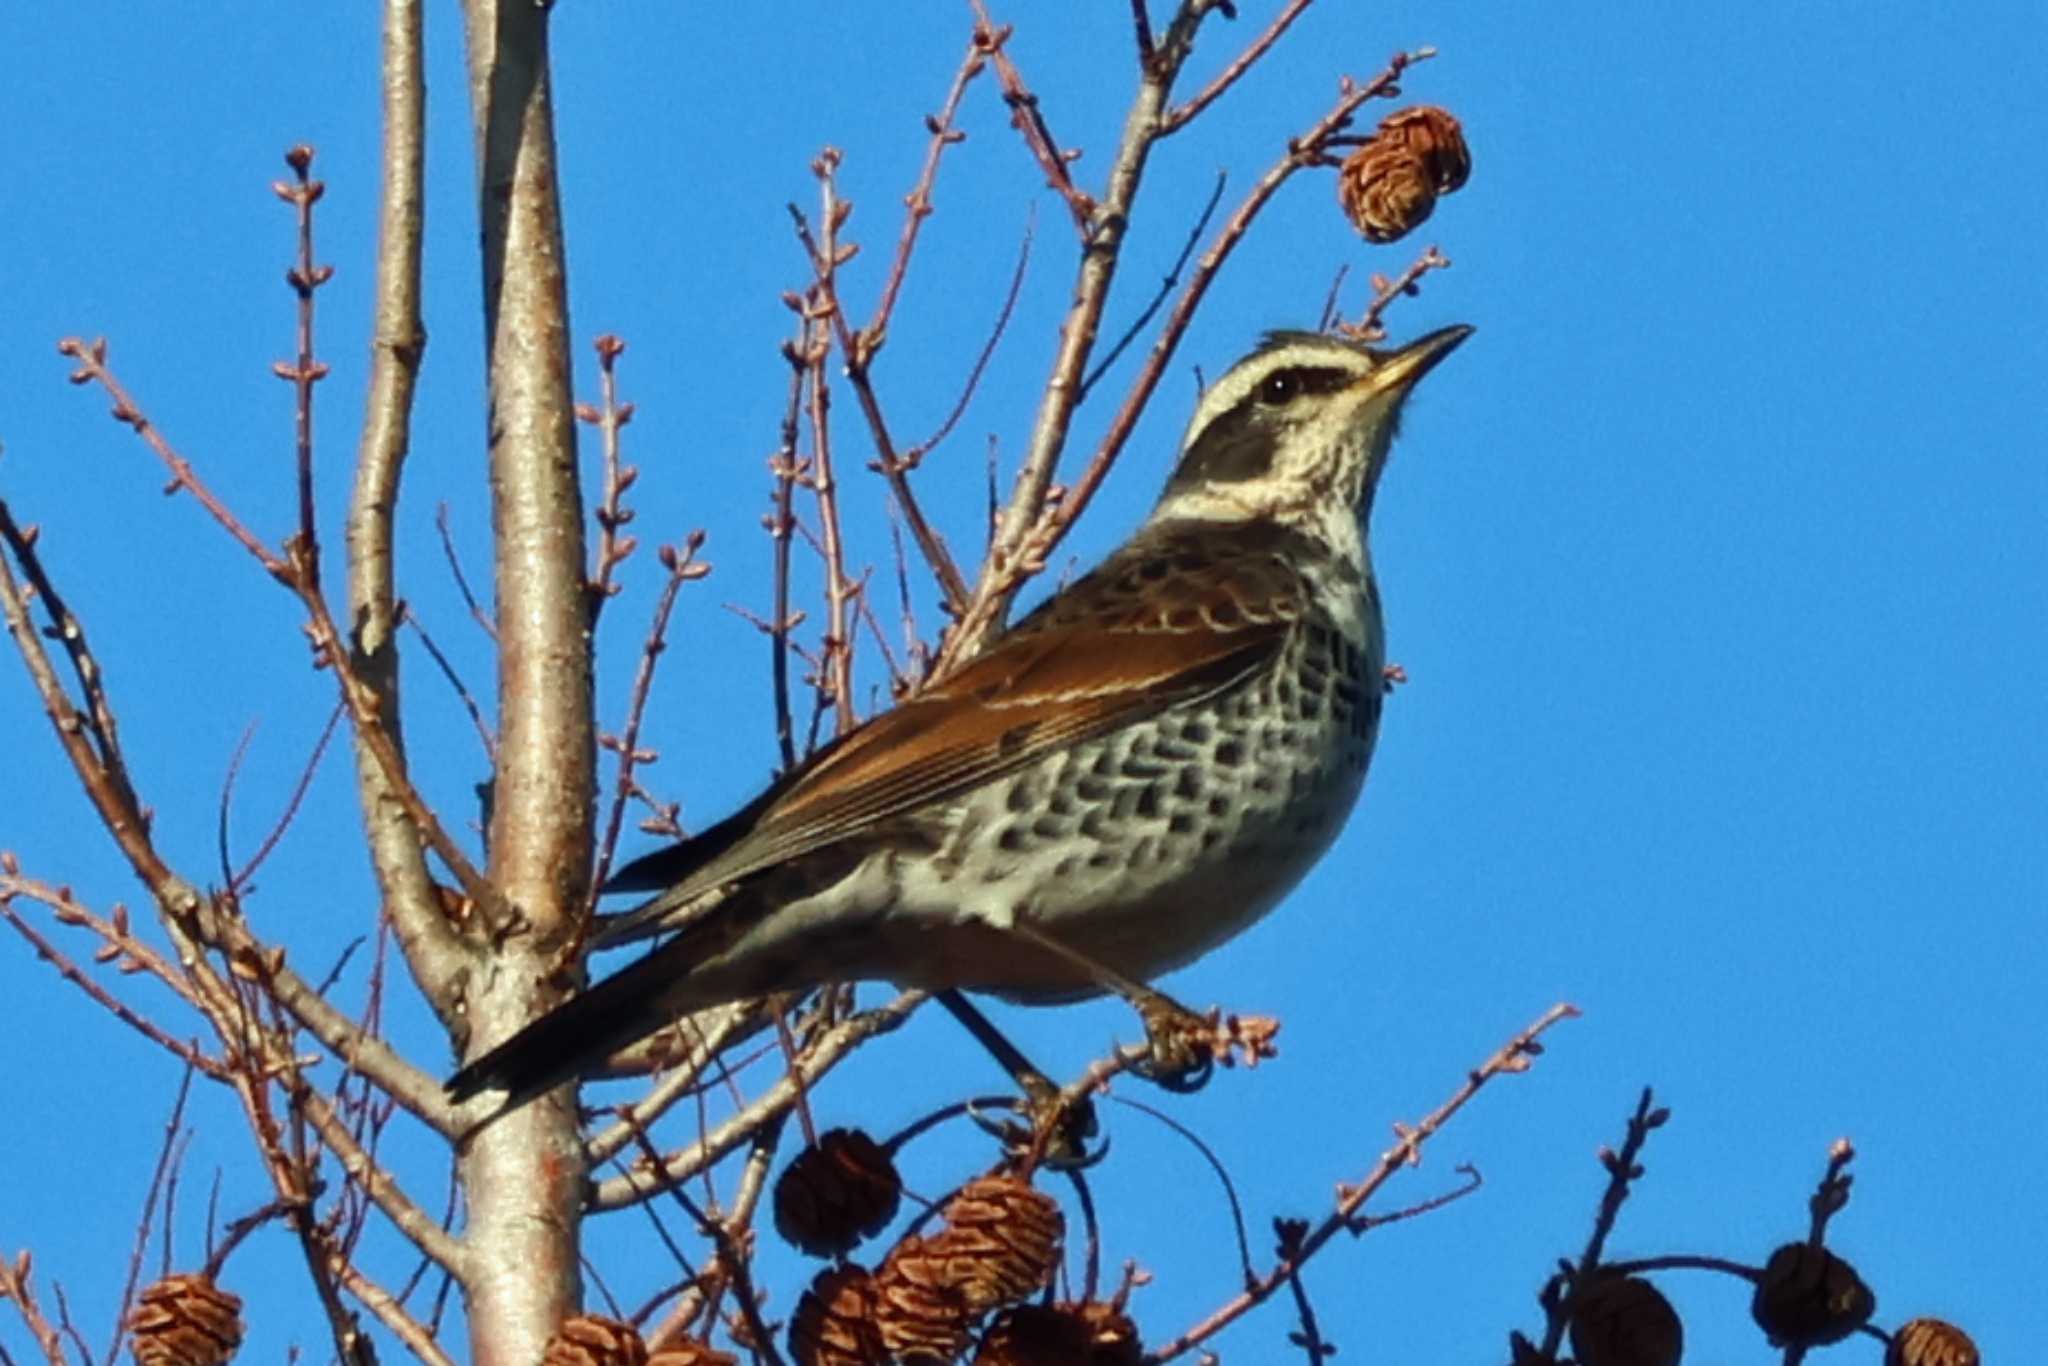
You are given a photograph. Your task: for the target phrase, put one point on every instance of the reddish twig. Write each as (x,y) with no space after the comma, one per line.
(913,457)
(724,1236)
(1833,1191)
(784,466)
(1513,1056)
(14,1286)
(835,680)
(411,618)
(1181,115)
(476,611)
(683,566)
(1166,287)
(1301,152)
(1015,553)
(97,714)
(1029,120)
(124,947)
(92,369)
(291,806)
(149,1202)
(918,203)
(304,371)
(330,648)
(611,512)
(1368,328)
(1026,551)
(823,1054)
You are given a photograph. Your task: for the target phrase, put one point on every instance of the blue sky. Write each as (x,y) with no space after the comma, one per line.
(1716,560)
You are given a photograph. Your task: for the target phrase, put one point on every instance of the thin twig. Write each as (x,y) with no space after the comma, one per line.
(172,1125)
(913,457)
(410,617)
(821,1057)
(781,522)
(683,566)
(1028,118)
(1513,1056)
(291,806)
(835,680)
(1301,152)
(476,611)
(304,371)
(1181,115)
(14,1287)
(70,971)
(1014,553)
(1369,328)
(1166,286)
(611,512)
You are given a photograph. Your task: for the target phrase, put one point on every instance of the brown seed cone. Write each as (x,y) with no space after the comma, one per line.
(688,1353)
(594,1340)
(1090,1333)
(834,1322)
(1625,1321)
(1931,1342)
(838,1191)
(1002,1239)
(1435,136)
(185,1320)
(1809,1297)
(921,1309)
(1386,190)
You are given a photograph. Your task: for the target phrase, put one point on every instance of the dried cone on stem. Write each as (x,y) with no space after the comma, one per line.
(837,1192)
(1931,1342)
(1809,1297)
(1090,1333)
(834,1323)
(1000,1243)
(1389,186)
(692,1354)
(593,1340)
(185,1320)
(1625,1321)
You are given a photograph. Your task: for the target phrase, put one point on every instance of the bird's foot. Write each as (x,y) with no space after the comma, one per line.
(1061,1127)
(1184,1048)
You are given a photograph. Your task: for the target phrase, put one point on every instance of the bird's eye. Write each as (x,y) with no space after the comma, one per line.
(1279,387)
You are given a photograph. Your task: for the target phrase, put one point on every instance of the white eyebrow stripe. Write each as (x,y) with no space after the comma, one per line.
(1239,381)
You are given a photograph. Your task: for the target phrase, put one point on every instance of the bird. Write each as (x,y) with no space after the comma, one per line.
(1123,779)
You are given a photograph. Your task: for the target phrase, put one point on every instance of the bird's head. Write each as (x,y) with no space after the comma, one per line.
(1298,429)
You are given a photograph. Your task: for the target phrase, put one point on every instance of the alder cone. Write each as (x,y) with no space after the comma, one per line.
(836,1193)
(1386,190)
(834,1323)
(921,1310)
(1931,1342)
(1002,1238)
(1625,1321)
(594,1340)
(692,1354)
(1389,186)
(1809,1297)
(185,1320)
(1089,1333)
(1434,135)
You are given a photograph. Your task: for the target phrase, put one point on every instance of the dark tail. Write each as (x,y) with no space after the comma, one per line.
(575,1037)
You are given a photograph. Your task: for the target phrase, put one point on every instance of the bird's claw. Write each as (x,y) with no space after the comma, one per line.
(1183,1048)
(1180,1052)
(1056,1133)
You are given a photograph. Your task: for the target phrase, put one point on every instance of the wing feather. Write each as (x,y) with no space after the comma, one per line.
(1158,624)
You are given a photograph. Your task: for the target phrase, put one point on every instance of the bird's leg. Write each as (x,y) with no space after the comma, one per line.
(1180,1040)
(1066,1128)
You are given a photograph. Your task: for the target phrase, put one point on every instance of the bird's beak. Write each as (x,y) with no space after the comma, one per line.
(1398,371)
